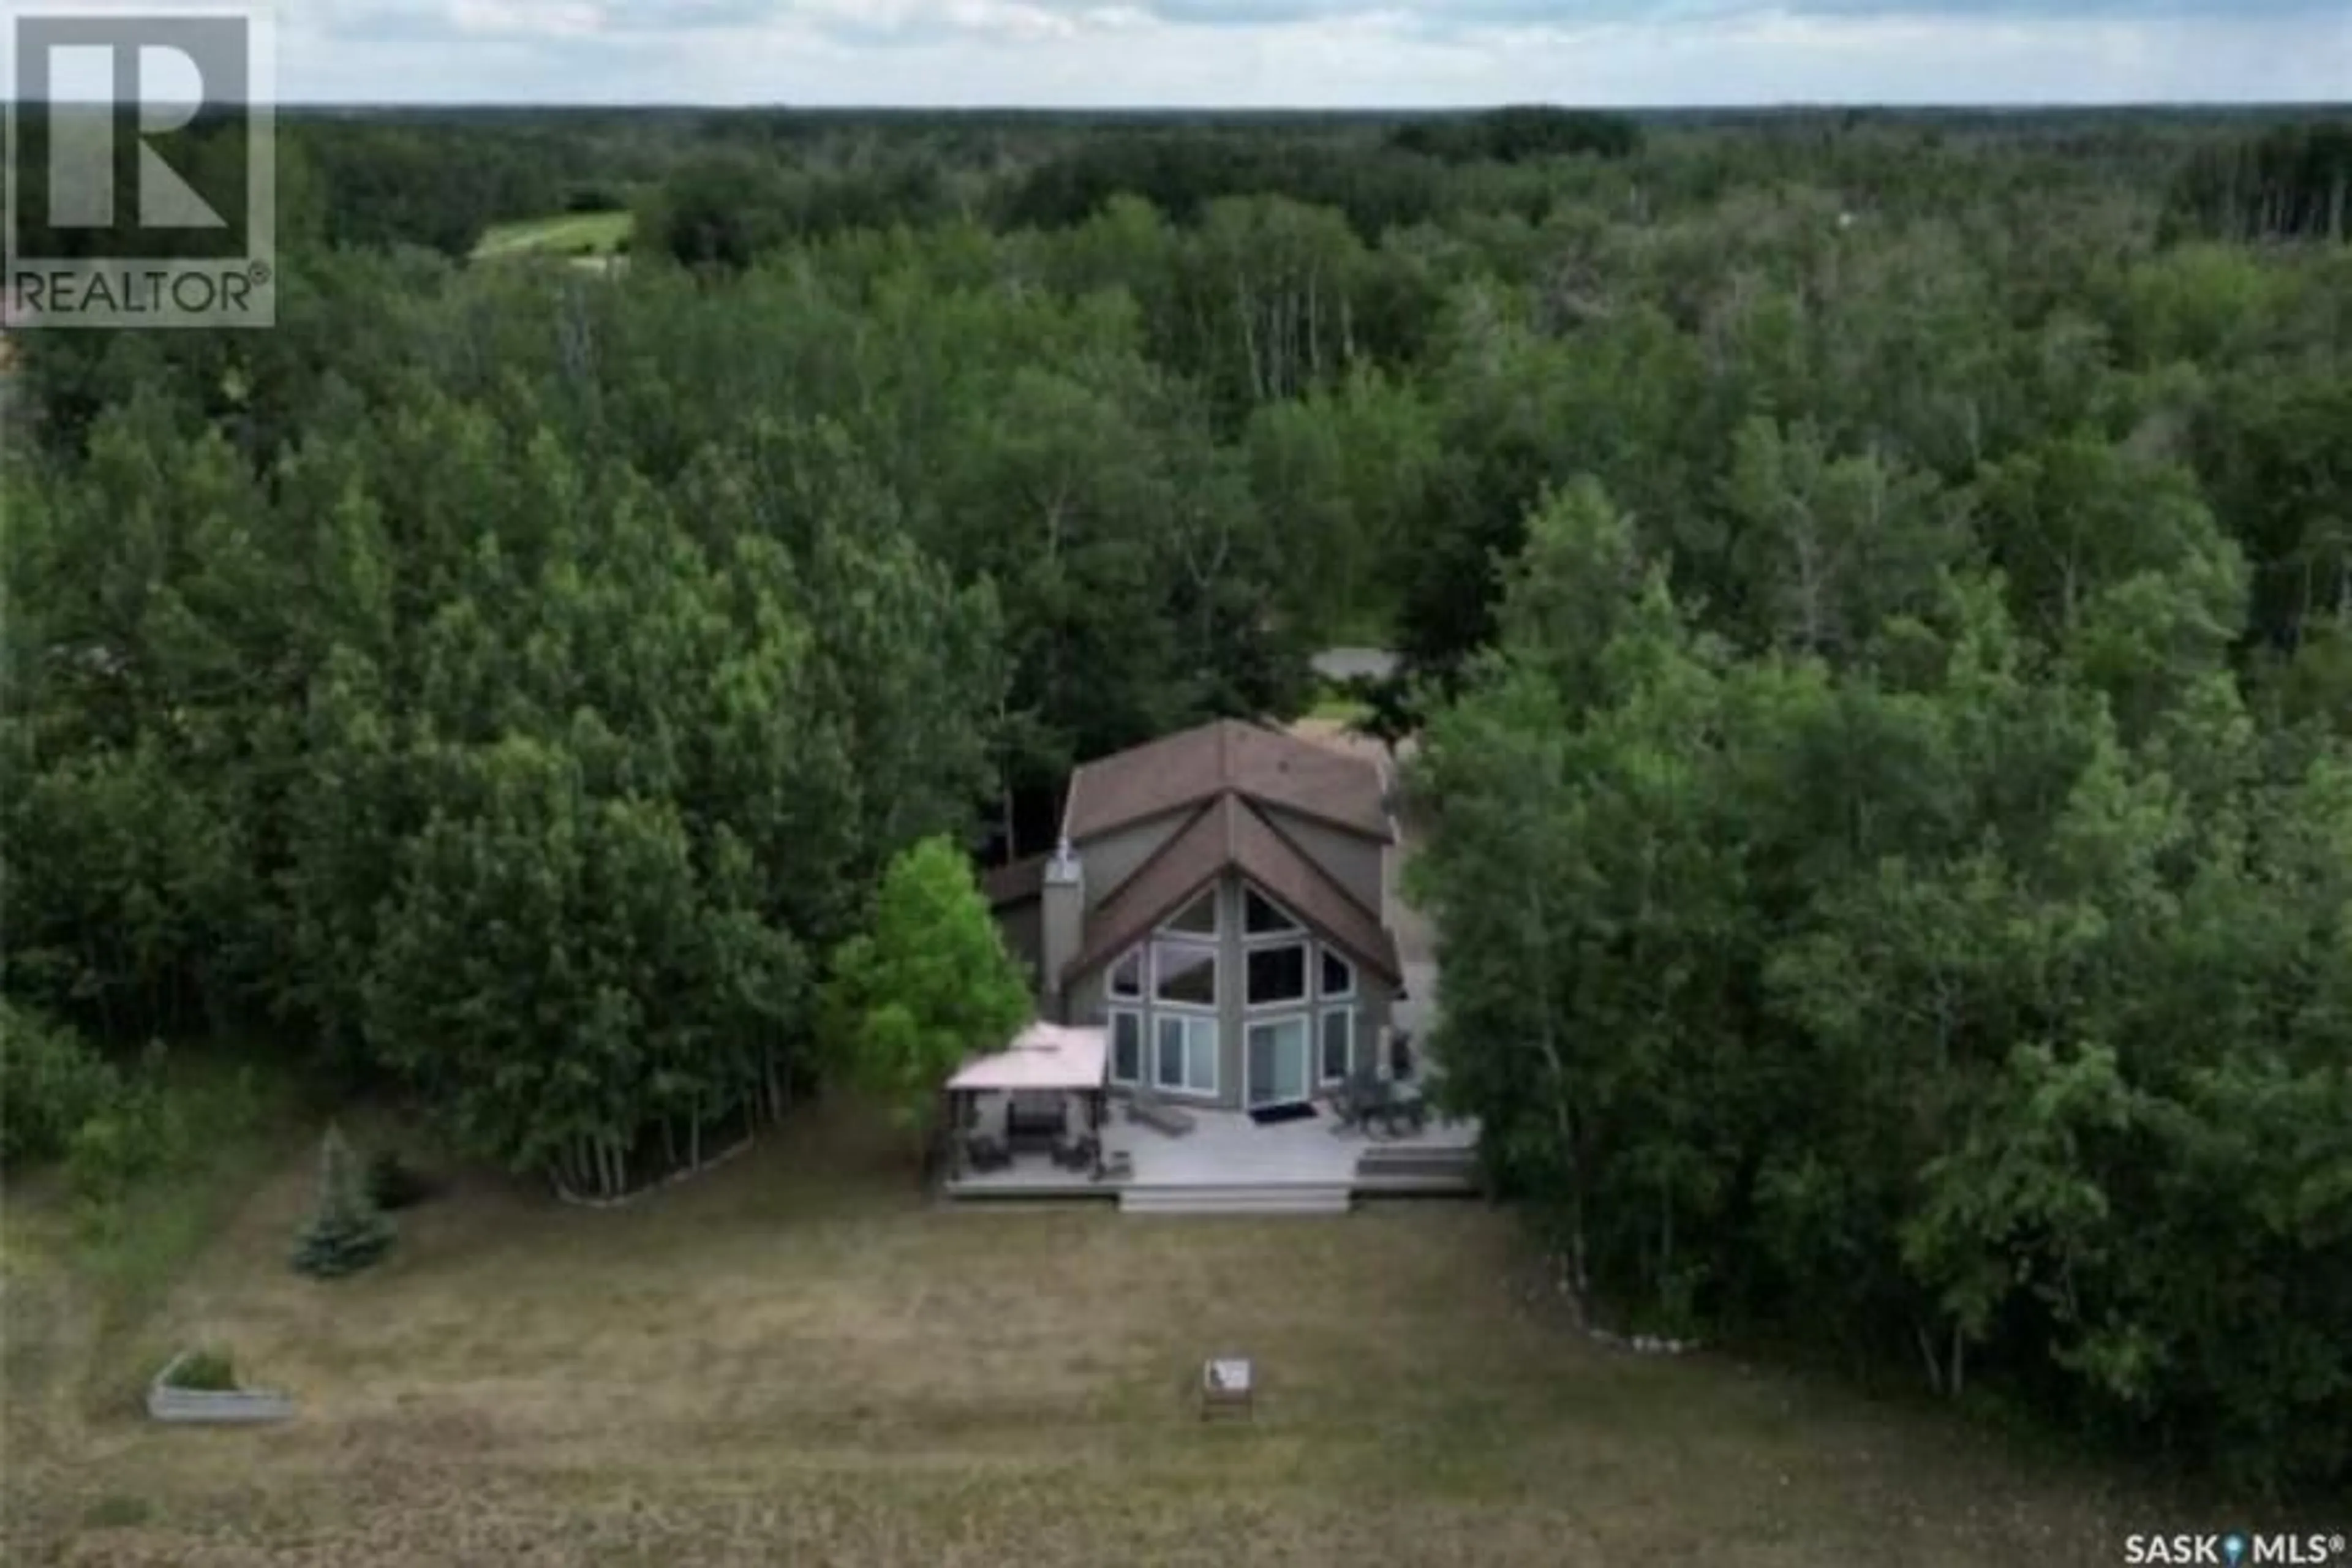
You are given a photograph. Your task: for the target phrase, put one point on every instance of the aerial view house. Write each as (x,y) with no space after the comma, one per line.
(1215,905)
(1216,990)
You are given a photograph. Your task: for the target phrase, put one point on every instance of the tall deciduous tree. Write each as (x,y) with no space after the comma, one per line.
(1921,997)
(925,986)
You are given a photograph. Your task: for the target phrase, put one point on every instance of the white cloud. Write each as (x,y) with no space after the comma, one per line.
(533,20)
(1407,53)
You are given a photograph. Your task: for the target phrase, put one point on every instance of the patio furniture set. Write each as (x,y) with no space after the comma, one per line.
(1034,1123)
(1047,1068)
(1366,1102)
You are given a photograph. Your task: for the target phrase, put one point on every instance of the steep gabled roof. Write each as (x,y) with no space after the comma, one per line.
(1226,755)
(1228,834)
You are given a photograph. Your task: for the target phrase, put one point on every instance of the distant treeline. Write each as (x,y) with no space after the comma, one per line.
(2294,182)
(1517,134)
(738,181)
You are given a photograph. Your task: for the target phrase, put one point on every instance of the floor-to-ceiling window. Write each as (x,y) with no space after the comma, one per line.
(1334,995)
(1277,1061)
(1162,1000)
(1283,969)
(1125,985)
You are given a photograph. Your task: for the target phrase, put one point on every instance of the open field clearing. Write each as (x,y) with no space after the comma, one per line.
(796,1359)
(563,234)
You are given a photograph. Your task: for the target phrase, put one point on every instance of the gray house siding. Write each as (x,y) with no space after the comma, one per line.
(1023,925)
(1110,858)
(1351,860)
(1083,999)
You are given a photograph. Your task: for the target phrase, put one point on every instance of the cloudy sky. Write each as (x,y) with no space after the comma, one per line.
(1314,52)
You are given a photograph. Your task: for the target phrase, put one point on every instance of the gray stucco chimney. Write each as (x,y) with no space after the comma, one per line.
(1064,924)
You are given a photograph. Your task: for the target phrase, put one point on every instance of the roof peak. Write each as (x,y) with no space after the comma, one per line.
(1257,761)
(1231,835)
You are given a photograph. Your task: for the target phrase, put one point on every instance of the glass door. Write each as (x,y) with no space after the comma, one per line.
(1278,1066)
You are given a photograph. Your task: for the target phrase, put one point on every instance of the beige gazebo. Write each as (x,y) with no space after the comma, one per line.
(1043,1061)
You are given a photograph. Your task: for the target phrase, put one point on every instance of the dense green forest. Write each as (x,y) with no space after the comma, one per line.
(1878,588)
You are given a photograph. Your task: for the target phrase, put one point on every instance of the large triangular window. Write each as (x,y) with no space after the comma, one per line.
(1198,918)
(1126,975)
(1261,916)
(1339,975)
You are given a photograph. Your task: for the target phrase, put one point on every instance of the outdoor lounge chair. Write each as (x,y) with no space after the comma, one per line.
(1147,1110)
(982,1152)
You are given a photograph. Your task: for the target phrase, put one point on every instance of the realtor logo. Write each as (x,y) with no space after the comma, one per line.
(140,167)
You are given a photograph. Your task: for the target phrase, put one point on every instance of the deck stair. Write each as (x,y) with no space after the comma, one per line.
(1416,1169)
(1228,1164)
(1236,1197)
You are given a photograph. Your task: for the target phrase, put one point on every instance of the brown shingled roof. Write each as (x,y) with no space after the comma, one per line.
(1227,754)
(1230,834)
(1014,881)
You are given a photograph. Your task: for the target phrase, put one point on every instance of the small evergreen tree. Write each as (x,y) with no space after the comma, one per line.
(349,1231)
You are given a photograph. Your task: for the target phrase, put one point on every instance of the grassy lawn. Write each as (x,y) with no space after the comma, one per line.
(795,1359)
(121,1260)
(563,234)
(1335,707)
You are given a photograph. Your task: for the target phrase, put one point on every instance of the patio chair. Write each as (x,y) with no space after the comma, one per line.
(982,1152)
(1409,1108)
(1407,1111)
(1354,1102)
(1396,1108)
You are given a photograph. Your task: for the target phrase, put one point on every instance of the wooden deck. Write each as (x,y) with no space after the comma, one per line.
(1228,1164)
